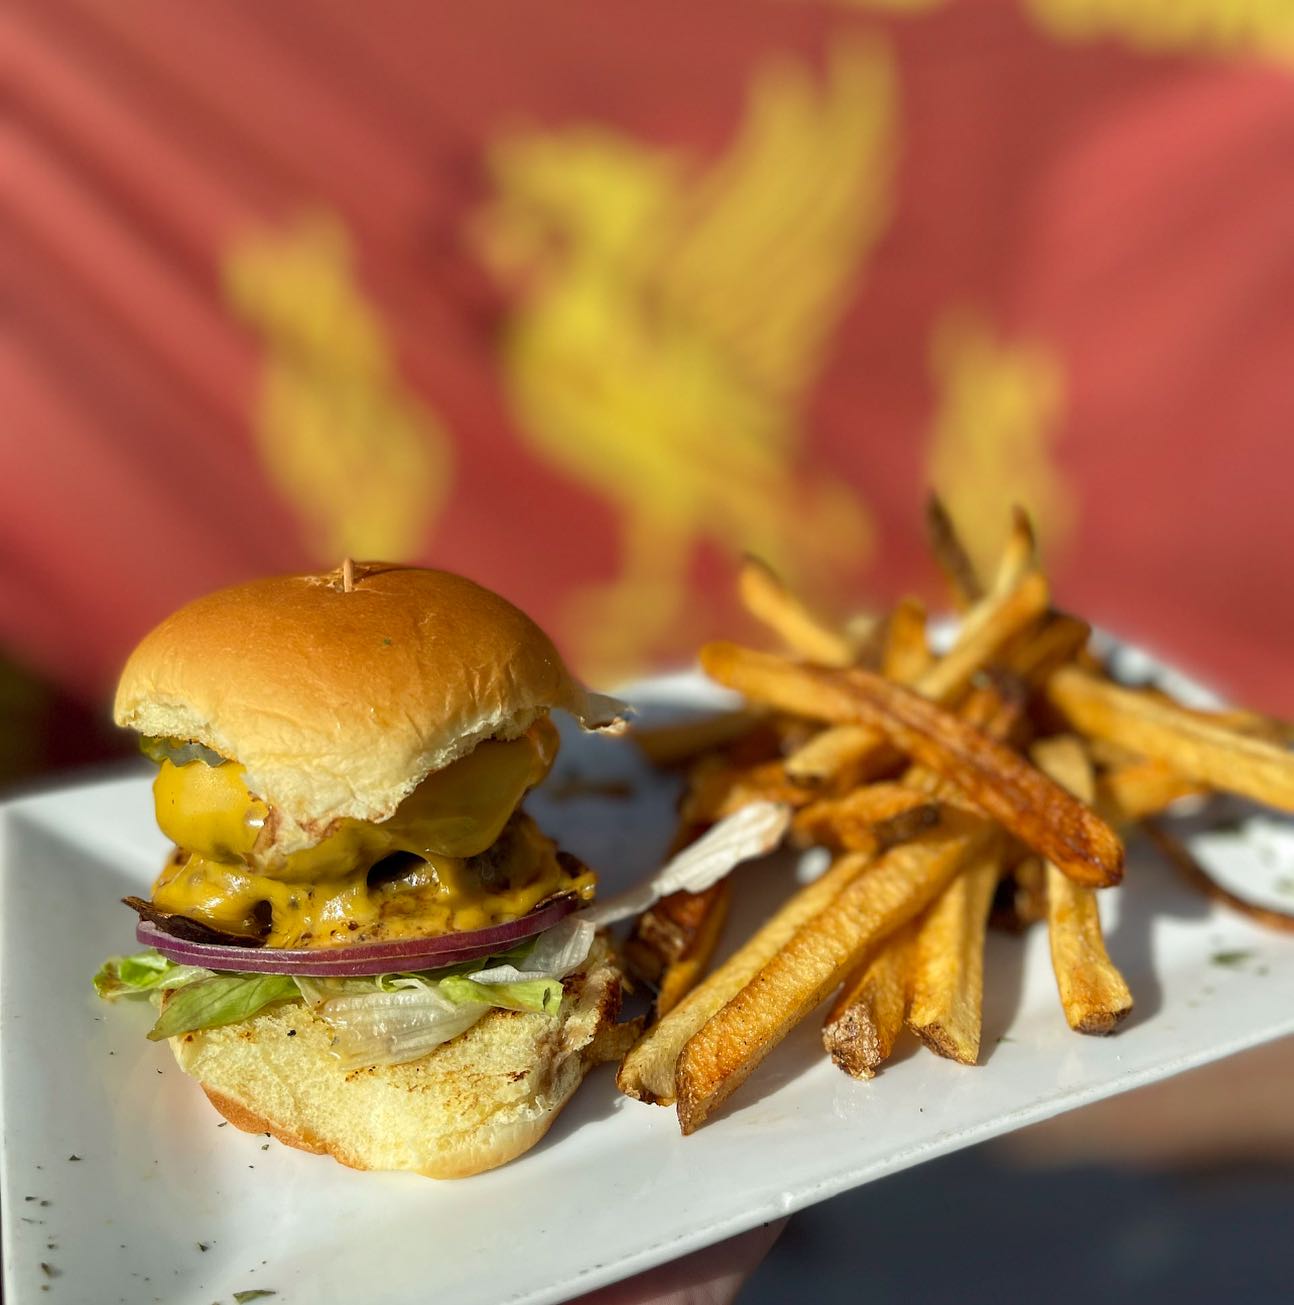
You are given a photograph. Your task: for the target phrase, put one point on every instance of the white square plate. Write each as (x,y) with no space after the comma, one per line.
(162,1204)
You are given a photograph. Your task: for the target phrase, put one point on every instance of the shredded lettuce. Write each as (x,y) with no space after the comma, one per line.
(390,1028)
(222,999)
(143,974)
(557,952)
(179,752)
(540,996)
(314,991)
(200,998)
(752,831)
(385,1019)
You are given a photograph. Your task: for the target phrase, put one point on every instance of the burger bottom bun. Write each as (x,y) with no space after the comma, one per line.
(471,1104)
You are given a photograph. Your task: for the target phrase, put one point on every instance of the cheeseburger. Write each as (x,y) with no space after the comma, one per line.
(360,943)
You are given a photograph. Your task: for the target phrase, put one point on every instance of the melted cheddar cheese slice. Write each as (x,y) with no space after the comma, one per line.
(468,861)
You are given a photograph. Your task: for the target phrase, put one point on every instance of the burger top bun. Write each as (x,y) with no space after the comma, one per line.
(340,693)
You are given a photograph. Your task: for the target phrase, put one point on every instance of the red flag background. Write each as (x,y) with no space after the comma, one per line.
(585,300)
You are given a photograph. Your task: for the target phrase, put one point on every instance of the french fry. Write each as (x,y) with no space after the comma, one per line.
(850,821)
(1021,896)
(673,745)
(1036,653)
(681,974)
(989,628)
(1240,719)
(767,598)
(1019,554)
(907,825)
(720,1055)
(845,755)
(899,763)
(716,788)
(853,754)
(951,555)
(1179,856)
(1093,993)
(648,1071)
(865,632)
(985,631)
(841,755)
(946,1009)
(667,932)
(1197,748)
(991,711)
(1030,879)
(1112,755)
(906,656)
(1140,788)
(867,1017)
(995,779)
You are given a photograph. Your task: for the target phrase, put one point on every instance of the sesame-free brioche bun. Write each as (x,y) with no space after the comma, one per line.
(340,702)
(469,1105)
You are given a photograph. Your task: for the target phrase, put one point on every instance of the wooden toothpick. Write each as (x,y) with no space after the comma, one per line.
(347,575)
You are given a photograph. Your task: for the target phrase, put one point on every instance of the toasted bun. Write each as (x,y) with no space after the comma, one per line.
(340,702)
(473,1103)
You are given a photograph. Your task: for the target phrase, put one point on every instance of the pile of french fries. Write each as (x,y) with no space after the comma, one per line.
(985,783)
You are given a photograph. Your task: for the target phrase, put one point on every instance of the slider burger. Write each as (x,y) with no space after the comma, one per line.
(360,943)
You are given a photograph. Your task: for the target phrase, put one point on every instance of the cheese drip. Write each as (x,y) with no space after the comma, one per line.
(470,861)
(426,898)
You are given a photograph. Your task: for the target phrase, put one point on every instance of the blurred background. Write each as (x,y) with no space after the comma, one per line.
(586,300)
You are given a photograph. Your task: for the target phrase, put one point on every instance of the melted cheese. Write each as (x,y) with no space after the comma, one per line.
(458,811)
(433,896)
(227,874)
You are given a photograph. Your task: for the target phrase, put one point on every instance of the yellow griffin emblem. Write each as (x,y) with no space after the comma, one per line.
(358,456)
(999,407)
(674,318)
(1223,28)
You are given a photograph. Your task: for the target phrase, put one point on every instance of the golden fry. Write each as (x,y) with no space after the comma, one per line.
(867,1017)
(647,1072)
(1141,788)
(674,928)
(865,632)
(911,768)
(1093,993)
(1196,747)
(716,788)
(946,1010)
(1240,719)
(988,629)
(851,820)
(1019,554)
(995,778)
(767,598)
(681,975)
(841,754)
(951,555)
(672,745)
(1035,654)
(907,655)
(1029,900)
(1110,755)
(861,1028)
(718,1058)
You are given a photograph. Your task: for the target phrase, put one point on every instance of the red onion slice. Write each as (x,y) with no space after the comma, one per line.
(353,960)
